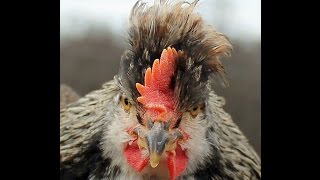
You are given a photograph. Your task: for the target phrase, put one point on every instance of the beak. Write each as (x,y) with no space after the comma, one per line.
(157,137)
(160,139)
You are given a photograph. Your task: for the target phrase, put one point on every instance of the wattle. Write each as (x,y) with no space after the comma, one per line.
(176,164)
(134,157)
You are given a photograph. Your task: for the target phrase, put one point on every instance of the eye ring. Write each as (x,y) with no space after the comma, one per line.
(196,110)
(125,103)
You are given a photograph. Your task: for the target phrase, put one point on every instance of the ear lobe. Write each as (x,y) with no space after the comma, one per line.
(134,157)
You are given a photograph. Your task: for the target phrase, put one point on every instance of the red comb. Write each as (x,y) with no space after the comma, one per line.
(156,92)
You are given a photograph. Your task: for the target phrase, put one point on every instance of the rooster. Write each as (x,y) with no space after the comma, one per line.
(159,118)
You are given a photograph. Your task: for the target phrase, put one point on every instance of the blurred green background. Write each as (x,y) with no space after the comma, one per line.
(93,38)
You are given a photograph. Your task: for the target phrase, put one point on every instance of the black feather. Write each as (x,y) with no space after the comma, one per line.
(155,28)
(90,163)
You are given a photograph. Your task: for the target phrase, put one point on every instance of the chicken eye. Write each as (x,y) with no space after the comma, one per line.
(195,110)
(125,103)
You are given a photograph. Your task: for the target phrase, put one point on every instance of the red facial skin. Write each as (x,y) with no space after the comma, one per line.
(159,105)
(134,157)
(176,164)
(156,95)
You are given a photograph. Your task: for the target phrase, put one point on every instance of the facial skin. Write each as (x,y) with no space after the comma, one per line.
(127,130)
(160,141)
(156,131)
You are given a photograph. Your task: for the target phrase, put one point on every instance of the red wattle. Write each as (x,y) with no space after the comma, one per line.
(177,164)
(134,157)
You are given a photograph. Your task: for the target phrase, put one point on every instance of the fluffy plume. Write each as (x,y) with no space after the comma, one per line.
(176,25)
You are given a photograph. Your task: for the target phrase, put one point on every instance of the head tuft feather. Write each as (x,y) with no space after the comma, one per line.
(158,79)
(172,24)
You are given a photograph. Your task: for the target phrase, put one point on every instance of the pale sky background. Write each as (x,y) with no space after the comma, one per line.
(240,19)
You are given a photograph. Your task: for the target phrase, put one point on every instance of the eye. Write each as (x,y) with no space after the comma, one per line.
(195,110)
(125,103)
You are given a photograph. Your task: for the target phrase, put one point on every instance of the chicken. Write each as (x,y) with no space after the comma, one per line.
(159,118)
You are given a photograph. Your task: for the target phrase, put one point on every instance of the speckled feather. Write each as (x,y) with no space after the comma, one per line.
(173,24)
(92,129)
(88,150)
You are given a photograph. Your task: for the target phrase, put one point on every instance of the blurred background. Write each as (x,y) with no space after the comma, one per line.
(92,39)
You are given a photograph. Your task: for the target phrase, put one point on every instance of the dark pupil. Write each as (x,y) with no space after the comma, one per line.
(126,101)
(195,108)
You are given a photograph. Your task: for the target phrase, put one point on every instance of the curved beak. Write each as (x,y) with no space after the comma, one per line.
(160,139)
(154,159)
(157,137)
